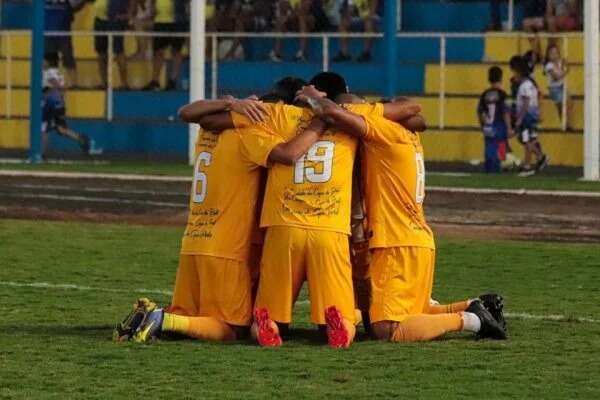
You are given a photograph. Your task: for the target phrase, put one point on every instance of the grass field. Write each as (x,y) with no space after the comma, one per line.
(55,340)
(562,181)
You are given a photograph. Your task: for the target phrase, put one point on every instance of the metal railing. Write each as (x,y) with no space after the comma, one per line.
(325,38)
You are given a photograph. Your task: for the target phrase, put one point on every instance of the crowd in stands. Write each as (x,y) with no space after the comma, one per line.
(303,16)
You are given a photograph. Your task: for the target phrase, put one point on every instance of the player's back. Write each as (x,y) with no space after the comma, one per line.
(315,192)
(394,175)
(223,198)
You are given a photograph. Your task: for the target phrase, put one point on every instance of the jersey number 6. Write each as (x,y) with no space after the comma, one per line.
(200,178)
(316,165)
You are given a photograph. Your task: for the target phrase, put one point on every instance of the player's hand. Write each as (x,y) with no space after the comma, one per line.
(253,109)
(309,91)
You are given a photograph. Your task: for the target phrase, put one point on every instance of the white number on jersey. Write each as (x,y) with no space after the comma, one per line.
(316,165)
(491,114)
(420,192)
(200,178)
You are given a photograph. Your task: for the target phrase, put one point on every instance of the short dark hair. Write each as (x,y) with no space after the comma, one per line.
(331,83)
(520,65)
(284,90)
(495,74)
(51,58)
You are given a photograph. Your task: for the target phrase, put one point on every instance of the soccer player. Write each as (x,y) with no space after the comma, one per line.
(212,299)
(402,244)
(54,111)
(306,210)
(527,117)
(494,117)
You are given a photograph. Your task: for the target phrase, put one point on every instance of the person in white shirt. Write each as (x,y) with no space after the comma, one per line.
(527,118)
(556,69)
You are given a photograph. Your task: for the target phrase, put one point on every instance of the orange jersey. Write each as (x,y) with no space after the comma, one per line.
(394,176)
(223,199)
(314,193)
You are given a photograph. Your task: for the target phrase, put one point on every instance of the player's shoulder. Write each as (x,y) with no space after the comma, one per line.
(365,108)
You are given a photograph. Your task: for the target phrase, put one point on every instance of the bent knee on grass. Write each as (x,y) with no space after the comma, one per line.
(383,330)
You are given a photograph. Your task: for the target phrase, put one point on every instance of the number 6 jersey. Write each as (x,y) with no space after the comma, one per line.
(316,191)
(222,216)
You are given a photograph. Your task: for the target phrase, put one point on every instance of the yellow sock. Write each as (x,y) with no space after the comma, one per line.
(205,328)
(448,308)
(426,327)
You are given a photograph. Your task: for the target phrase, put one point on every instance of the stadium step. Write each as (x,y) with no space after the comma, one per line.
(80,103)
(501,49)
(462,79)
(461,112)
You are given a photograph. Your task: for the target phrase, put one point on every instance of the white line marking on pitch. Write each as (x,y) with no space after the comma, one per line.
(161,178)
(97,189)
(68,286)
(95,199)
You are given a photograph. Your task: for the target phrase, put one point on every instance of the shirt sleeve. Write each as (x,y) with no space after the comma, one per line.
(382,130)
(240,121)
(257,144)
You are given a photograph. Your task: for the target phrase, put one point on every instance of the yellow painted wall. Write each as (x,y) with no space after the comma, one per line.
(563,149)
(80,103)
(14,133)
(502,49)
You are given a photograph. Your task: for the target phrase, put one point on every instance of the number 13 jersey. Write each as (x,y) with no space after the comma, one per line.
(394,177)
(316,191)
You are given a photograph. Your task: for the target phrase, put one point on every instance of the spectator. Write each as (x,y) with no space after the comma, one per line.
(533,15)
(358,15)
(58,15)
(169,17)
(527,117)
(54,108)
(142,22)
(111,15)
(562,15)
(494,117)
(556,69)
(292,15)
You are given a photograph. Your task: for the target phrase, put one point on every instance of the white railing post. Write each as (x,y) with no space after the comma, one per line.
(325,53)
(214,59)
(591,135)
(399,16)
(511,15)
(109,78)
(442,94)
(564,119)
(8,70)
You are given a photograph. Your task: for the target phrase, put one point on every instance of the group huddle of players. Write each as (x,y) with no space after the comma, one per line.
(338,186)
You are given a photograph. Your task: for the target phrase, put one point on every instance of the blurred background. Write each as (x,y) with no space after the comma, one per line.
(126,67)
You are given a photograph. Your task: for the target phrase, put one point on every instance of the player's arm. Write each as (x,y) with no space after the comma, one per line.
(194,112)
(416,123)
(290,152)
(398,111)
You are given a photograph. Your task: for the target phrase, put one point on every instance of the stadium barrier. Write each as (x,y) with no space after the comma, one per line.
(445,71)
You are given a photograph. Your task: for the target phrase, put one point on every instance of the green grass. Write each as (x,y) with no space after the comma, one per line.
(508,181)
(55,343)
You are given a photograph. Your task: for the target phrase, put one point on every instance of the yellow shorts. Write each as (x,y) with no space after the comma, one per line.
(216,287)
(293,255)
(401,282)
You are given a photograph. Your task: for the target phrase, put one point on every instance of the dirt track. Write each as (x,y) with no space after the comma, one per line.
(467,215)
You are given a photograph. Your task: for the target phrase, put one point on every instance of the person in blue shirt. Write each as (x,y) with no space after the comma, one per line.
(58,15)
(54,107)
(494,117)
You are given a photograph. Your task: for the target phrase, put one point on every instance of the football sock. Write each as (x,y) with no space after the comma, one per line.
(205,328)
(449,308)
(426,327)
(471,322)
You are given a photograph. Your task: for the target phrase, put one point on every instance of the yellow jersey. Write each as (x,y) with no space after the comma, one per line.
(223,200)
(164,12)
(394,181)
(101,9)
(316,191)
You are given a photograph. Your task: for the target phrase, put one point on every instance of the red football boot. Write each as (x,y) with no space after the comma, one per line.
(267,335)
(338,335)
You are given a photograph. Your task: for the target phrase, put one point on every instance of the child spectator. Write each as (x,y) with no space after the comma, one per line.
(292,15)
(494,117)
(527,117)
(53,106)
(556,69)
(358,15)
